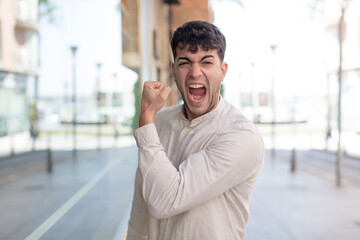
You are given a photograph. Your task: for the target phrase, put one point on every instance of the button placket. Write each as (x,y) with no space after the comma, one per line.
(184,132)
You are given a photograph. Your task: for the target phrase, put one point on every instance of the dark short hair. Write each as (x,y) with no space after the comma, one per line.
(199,33)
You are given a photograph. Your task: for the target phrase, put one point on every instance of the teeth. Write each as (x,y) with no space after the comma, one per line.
(196,85)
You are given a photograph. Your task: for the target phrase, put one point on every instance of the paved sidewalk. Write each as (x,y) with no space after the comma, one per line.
(285,206)
(301,205)
(86,198)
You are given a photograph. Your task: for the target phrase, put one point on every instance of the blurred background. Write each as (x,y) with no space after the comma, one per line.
(71,74)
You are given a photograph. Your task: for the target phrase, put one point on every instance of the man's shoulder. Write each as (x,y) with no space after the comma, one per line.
(233,117)
(233,114)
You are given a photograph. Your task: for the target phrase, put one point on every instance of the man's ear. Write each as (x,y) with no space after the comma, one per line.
(224,68)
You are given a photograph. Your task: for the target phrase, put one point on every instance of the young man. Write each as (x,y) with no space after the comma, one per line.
(198,161)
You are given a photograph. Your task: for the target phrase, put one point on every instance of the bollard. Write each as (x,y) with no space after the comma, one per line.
(116,135)
(293,160)
(48,154)
(49,164)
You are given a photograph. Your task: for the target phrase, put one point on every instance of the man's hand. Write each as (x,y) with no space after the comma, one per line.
(153,99)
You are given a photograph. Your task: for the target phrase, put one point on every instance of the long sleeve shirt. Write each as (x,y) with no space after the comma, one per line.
(194,179)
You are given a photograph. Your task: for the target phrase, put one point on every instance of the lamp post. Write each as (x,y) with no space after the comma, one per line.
(114,97)
(98,65)
(254,94)
(340,150)
(273,104)
(73,50)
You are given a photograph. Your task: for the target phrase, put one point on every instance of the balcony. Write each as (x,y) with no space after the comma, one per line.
(26,15)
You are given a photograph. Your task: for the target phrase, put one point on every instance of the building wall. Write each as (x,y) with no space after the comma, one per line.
(147,26)
(350,64)
(186,11)
(18,62)
(190,10)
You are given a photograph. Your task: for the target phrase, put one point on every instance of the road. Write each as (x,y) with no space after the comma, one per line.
(86,198)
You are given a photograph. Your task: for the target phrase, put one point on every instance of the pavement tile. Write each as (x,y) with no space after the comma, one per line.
(301,205)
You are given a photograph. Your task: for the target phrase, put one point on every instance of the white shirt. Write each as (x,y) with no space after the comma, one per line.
(194,179)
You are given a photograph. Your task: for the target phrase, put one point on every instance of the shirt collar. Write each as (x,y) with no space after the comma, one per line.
(204,117)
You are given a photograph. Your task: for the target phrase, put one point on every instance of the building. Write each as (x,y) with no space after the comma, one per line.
(18,63)
(147,27)
(350,63)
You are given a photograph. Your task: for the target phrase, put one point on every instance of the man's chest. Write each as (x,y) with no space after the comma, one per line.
(180,143)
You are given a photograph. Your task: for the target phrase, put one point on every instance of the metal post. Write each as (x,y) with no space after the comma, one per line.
(254,95)
(35,123)
(293,160)
(339,152)
(73,50)
(116,133)
(98,105)
(48,154)
(273,104)
(9,119)
(12,151)
(293,153)
(328,128)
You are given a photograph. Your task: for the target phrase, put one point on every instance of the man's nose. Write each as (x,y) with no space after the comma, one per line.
(195,70)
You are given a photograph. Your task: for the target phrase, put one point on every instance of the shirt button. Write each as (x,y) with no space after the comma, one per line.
(212,179)
(186,131)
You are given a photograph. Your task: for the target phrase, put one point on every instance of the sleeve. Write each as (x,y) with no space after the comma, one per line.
(233,157)
(139,216)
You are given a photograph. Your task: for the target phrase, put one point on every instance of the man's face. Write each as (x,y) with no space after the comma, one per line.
(198,77)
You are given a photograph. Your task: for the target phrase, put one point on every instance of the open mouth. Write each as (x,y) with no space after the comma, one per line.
(197,93)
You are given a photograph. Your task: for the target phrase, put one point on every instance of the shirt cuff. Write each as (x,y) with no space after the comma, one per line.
(146,135)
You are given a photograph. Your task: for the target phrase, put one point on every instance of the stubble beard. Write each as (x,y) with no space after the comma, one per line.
(211,107)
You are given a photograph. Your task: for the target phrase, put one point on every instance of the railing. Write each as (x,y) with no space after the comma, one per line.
(26,10)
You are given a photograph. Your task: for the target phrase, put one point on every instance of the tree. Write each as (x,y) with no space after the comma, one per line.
(47,9)
(137,93)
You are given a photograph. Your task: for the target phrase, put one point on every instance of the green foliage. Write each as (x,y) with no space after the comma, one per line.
(315,8)
(47,9)
(46,2)
(222,89)
(137,93)
(33,115)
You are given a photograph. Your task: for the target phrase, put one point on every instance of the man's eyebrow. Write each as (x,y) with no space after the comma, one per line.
(207,56)
(202,59)
(184,58)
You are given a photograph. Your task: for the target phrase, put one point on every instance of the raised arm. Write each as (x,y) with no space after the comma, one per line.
(153,99)
(233,157)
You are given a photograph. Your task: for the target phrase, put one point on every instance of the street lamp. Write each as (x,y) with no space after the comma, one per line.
(343,5)
(114,98)
(254,94)
(73,50)
(98,65)
(273,104)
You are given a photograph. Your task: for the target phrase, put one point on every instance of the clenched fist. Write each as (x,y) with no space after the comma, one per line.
(153,99)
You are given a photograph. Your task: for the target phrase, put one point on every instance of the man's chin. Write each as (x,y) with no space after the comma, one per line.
(194,112)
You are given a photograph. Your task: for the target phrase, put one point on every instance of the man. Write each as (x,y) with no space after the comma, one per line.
(198,161)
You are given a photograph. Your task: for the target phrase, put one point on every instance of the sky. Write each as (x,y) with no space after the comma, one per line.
(98,39)
(298,64)
(296,68)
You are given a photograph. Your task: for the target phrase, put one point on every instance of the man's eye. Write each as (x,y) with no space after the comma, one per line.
(207,62)
(183,63)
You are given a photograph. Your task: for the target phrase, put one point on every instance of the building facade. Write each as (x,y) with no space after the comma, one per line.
(350,63)
(147,27)
(18,63)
